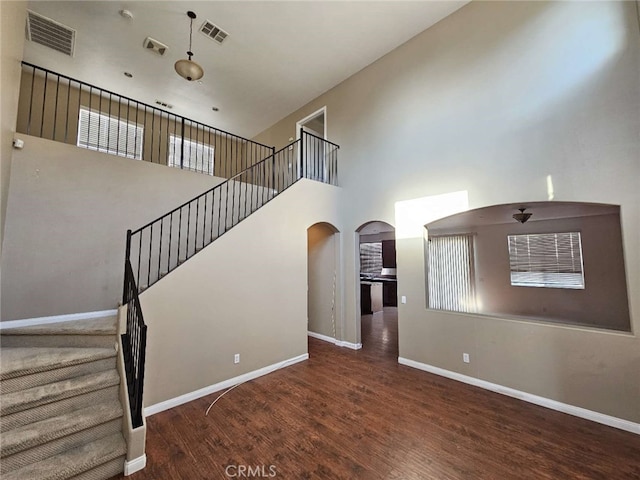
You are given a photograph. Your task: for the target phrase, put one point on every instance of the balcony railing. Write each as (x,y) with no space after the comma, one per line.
(60,108)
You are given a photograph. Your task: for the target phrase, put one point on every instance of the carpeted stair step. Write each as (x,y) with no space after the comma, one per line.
(19,419)
(49,376)
(77,463)
(97,332)
(53,436)
(53,392)
(21,361)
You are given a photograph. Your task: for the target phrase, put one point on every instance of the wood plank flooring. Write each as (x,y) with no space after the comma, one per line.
(347,414)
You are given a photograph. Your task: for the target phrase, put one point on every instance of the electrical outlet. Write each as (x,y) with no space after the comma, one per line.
(465,357)
(403,299)
(236,358)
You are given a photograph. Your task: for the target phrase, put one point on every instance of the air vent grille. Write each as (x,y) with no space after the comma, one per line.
(50,33)
(153,45)
(213,32)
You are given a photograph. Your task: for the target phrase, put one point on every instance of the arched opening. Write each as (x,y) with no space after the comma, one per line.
(378,291)
(323,282)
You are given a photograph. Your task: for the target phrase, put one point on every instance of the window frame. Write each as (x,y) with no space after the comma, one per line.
(544,277)
(173,160)
(107,120)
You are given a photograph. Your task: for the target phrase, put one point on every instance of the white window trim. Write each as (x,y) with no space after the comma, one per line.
(546,270)
(208,151)
(101,120)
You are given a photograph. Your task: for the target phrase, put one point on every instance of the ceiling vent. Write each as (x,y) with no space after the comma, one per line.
(153,45)
(164,104)
(213,32)
(50,33)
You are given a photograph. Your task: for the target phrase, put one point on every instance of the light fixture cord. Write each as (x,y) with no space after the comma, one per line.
(190,52)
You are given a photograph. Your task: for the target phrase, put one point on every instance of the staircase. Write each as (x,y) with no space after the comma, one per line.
(61,415)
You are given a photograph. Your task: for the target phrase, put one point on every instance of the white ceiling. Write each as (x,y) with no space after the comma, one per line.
(279,54)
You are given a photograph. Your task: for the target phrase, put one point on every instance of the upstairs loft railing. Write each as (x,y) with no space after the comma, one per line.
(56,107)
(163,244)
(157,248)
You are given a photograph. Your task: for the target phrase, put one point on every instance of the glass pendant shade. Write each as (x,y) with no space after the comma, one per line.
(189,69)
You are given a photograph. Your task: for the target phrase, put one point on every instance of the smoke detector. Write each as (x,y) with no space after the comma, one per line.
(153,45)
(50,33)
(214,32)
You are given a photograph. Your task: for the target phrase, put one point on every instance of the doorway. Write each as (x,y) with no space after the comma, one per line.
(313,162)
(323,317)
(376,268)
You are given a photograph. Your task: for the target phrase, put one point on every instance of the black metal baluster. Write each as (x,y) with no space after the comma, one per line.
(188,229)
(55,112)
(150,255)
(44,103)
(139,258)
(182,145)
(33,79)
(160,247)
(170,242)
(179,235)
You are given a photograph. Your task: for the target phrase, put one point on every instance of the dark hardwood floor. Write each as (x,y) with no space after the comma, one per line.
(348,414)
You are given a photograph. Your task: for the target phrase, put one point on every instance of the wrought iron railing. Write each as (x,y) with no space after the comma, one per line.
(134,344)
(60,108)
(165,243)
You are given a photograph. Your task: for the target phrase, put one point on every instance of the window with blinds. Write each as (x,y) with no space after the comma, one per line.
(450,273)
(198,157)
(552,260)
(103,133)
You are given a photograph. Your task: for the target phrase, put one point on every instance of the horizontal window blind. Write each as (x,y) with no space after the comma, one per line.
(552,260)
(103,133)
(198,157)
(450,272)
(371,257)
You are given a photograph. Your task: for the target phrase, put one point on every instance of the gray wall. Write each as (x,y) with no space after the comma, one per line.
(68,213)
(491,102)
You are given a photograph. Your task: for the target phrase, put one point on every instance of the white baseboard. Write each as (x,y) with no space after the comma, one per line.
(189,397)
(339,343)
(528,397)
(352,346)
(28,322)
(135,465)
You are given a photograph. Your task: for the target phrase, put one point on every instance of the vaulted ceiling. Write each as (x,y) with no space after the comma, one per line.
(278,56)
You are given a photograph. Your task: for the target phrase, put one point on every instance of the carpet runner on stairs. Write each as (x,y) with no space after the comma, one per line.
(61,416)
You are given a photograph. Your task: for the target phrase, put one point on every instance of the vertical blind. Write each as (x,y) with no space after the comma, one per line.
(198,157)
(451,274)
(103,133)
(552,260)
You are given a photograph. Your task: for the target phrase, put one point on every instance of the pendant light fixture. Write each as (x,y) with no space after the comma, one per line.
(522,217)
(189,69)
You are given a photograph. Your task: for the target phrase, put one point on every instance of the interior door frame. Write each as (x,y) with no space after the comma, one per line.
(308,118)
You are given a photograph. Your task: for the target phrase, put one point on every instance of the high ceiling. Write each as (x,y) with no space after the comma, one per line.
(279,54)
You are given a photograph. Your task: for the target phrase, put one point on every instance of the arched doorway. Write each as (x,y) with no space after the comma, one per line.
(378,292)
(323,282)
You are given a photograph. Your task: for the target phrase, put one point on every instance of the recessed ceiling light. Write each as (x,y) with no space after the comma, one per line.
(199,82)
(126,14)
(128,75)
(215,109)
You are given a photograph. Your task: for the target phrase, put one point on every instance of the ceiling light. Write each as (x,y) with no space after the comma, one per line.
(522,217)
(189,69)
(215,109)
(126,14)
(128,75)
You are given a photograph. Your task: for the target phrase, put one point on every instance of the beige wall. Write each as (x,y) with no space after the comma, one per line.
(245,294)
(67,216)
(13,16)
(493,101)
(322,277)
